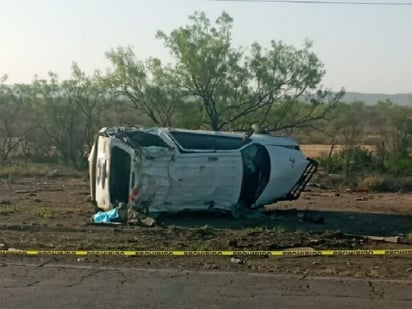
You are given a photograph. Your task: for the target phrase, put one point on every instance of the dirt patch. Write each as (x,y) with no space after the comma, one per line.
(55,214)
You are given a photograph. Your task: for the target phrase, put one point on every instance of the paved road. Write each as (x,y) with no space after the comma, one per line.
(75,286)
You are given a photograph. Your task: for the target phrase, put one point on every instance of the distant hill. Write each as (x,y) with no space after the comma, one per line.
(373,98)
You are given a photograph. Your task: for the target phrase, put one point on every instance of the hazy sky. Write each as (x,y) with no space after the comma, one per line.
(363,48)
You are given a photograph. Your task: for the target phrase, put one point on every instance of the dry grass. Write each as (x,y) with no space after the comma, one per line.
(319,150)
(38,170)
(372,183)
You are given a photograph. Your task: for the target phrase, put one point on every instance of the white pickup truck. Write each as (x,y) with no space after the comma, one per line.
(171,170)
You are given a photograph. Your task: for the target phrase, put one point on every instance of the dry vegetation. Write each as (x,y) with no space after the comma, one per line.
(322,150)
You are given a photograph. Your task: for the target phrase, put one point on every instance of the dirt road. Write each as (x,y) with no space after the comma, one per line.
(68,286)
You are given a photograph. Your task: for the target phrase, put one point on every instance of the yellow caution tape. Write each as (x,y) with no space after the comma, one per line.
(290,253)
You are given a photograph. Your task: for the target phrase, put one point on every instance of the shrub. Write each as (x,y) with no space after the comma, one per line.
(394,184)
(372,183)
(361,159)
(399,167)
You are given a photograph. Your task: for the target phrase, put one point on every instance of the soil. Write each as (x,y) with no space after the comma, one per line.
(55,214)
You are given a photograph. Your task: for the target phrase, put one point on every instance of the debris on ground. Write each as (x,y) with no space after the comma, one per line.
(148,221)
(236,260)
(21,191)
(106,216)
(314,241)
(123,214)
(390,239)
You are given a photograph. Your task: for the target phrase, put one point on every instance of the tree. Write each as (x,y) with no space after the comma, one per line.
(230,85)
(350,126)
(17,119)
(393,124)
(400,130)
(90,98)
(71,112)
(146,86)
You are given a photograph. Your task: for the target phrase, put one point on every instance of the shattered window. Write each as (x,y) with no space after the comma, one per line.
(207,141)
(145,139)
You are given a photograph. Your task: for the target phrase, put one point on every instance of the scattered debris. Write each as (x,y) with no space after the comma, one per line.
(123,214)
(365,198)
(148,221)
(390,239)
(3,246)
(21,191)
(236,260)
(5,202)
(409,269)
(106,216)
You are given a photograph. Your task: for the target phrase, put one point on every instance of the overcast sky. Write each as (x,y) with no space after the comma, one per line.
(363,48)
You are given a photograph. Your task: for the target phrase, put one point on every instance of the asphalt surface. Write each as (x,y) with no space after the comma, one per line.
(84,286)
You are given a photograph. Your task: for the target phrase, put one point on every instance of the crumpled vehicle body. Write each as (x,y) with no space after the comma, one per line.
(171,170)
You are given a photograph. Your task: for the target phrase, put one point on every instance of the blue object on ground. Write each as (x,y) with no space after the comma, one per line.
(106,216)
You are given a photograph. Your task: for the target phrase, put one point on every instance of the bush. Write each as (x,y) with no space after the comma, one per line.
(361,159)
(334,181)
(394,184)
(372,183)
(399,167)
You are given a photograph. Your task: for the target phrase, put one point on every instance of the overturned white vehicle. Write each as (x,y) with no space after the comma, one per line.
(169,170)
